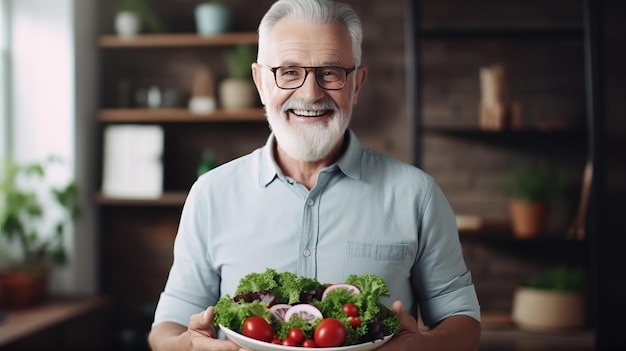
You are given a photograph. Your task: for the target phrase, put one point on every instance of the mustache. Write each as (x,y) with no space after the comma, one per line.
(297,104)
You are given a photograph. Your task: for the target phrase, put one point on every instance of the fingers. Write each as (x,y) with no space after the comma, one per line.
(203,322)
(208,315)
(406,320)
(397,306)
(204,335)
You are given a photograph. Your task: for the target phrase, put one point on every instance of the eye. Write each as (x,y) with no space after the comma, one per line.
(289,72)
(330,73)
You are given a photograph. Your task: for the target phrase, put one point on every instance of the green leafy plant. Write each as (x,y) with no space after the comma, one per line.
(534,182)
(560,278)
(239,61)
(24,213)
(145,10)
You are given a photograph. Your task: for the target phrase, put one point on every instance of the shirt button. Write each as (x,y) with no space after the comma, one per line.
(307,252)
(310,202)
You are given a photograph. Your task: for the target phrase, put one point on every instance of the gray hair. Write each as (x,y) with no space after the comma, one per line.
(320,11)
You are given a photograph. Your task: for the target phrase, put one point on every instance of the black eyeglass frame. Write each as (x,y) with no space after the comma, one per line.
(306,73)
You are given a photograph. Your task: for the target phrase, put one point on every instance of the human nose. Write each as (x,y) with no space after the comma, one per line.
(310,89)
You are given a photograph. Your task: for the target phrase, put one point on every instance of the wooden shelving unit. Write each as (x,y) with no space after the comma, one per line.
(167,199)
(137,233)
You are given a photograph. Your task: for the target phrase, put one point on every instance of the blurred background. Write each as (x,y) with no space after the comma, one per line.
(495,99)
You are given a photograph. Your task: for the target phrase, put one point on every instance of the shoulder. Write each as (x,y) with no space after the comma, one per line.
(232,173)
(377,163)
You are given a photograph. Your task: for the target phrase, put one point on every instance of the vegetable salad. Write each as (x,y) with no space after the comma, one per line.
(300,311)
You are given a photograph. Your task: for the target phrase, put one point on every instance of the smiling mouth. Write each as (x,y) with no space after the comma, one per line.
(309,113)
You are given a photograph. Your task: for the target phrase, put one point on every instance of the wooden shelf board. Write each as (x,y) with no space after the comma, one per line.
(475,226)
(167,199)
(177,40)
(469,130)
(146,115)
(480,31)
(22,323)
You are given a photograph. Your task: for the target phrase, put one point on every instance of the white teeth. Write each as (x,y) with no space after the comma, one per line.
(307,113)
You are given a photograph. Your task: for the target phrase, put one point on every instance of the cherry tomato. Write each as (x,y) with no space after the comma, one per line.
(310,343)
(277,341)
(354,322)
(296,335)
(329,333)
(257,328)
(350,310)
(289,342)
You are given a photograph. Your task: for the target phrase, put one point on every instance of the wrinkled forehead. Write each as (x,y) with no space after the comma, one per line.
(302,42)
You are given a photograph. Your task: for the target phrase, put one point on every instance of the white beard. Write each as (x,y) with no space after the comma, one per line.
(308,142)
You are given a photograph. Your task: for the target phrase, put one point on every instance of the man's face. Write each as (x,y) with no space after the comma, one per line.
(308,121)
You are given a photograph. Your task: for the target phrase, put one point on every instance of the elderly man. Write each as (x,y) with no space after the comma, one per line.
(314,201)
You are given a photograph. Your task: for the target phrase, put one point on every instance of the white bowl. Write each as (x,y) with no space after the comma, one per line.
(257,345)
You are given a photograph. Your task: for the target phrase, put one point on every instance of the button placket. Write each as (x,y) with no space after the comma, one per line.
(307,262)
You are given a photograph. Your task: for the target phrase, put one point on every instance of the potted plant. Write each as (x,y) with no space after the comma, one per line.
(530,188)
(551,300)
(33,219)
(238,90)
(132,15)
(212,17)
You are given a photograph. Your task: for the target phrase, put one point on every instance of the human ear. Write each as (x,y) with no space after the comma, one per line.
(258,80)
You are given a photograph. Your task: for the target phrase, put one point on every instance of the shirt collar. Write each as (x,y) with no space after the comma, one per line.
(348,163)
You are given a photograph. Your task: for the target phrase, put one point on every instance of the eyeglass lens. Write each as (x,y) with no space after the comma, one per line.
(292,77)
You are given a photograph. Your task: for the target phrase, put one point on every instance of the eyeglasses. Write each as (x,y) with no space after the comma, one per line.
(327,77)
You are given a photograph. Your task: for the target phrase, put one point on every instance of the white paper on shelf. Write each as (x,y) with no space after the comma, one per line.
(133,166)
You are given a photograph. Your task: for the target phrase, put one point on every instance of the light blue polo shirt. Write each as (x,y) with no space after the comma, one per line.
(368,213)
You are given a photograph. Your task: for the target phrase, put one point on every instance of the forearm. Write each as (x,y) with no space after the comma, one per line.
(168,336)
(454,333)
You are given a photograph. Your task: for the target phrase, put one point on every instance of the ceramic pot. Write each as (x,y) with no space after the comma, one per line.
(127,24)
(528,219)
(547,310)
(23,288)
(237,93)
(211,19)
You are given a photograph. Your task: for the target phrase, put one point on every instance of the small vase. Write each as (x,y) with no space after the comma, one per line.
(211,19)
(237,93)
(127,24)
